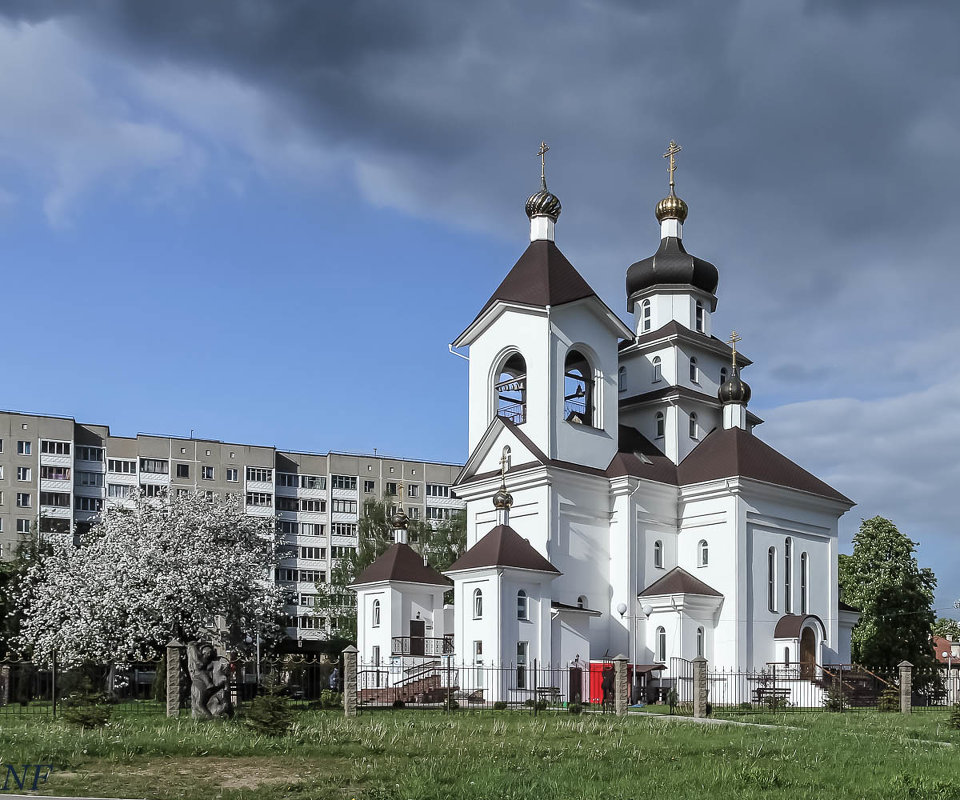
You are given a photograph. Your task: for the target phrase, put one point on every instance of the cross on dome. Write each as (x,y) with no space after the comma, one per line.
(672,149)
(732,341)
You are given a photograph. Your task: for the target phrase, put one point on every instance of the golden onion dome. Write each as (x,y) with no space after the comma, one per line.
(671,207)
(503,498)
(399,519)
(543,203)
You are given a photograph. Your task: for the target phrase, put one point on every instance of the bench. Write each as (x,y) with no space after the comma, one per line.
(549,694)
(764,693)
(476,696)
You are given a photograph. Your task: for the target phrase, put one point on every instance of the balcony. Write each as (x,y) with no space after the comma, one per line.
(421,646)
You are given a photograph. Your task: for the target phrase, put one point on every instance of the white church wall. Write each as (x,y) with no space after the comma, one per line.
(570,634)
(370,636)
(468,628)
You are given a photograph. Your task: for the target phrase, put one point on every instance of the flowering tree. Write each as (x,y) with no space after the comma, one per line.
(146,573)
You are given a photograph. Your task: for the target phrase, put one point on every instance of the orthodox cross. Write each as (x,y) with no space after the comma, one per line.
(542,152)
(503,464)
(732,341)
(671,153)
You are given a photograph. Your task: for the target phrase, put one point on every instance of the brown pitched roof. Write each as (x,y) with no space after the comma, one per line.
(503,547)
(674,328)
(789,625)
(639,457)
(679,581)
(683,392)
(734,452)
(400,562)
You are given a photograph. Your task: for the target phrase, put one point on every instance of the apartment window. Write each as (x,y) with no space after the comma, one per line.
(321,505)
(376,614)
(23,525)
(660,425)
(23,499)
(437,490)
(312,576)
(787,582)
(435,513)
(703,553)
(24,448)
(53,473)
(1,498)
(622,379)
(661,645)
(287,504)
(308,600)
(1,445)
(772,579)
(259,499)
(23,473)
(477,604)
(261,474)
(90,454)
(311,529)
(694,371)
(339,506)
(207,473)
(523,605)
(645,316)
(413,490)
(390,488)
(318,553)
(699,316)
(122,465)
(284,574)
(694,431)
(657,369)
(341,551)
(88,504)
(343,529)
(413,512)
(52,448)
(1,472)
(90,479)
(368,487)
(804,581)
(153,489)
(55,499)
(233,475)
(157,466)
(658,554)
(343,482)
(285,526)
(288,479)
(309,623)
(313,482)
(523,649)
(119,491)
(701,636)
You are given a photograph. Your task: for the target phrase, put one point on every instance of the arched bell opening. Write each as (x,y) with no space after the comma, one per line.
(578,389)
(510,389)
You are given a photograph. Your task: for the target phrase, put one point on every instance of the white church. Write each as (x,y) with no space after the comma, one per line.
(618,500)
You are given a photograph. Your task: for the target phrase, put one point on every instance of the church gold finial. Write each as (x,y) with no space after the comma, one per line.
(503,465)
(672,149)
(732,341)
(542,152)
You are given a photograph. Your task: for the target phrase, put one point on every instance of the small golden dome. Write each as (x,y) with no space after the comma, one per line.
(671,207)
(399,519)
(503,498)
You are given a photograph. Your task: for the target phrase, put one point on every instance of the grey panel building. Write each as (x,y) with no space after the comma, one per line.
(57,475)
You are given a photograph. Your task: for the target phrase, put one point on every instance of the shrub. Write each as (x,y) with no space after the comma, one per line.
(672,700)
(528,702)
(500,705)
(954,721)
(575,708)
(709,709)
(331,699)
(399,704)
(451,704)
(889,699)
(540,705)
(87,710)
(834,700)
(270,714)
(745,707)
(775,703)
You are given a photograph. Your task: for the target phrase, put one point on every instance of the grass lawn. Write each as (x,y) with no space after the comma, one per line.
(433,756)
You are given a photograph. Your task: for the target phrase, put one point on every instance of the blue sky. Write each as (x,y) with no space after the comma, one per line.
(294,207)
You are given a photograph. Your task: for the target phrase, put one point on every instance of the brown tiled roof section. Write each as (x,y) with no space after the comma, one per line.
(734,452)
(639,457)
(542,277)
(679,581)
(789,625)
(400,562)
(503,547)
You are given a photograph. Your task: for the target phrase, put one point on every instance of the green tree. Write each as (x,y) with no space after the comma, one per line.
(948,628)
(12,575)
(441,545)
(894,595)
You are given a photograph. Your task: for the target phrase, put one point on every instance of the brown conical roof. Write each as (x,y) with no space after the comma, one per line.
(503,547)
(400,562)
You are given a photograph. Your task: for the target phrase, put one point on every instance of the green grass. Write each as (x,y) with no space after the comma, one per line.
(509,755)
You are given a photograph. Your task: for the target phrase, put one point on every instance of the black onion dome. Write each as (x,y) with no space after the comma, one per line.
(734,389)
(543,203)
(671,264)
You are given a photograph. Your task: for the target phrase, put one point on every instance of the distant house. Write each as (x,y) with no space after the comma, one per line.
(943,645)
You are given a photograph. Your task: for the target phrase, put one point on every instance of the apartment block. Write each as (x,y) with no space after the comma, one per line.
(57,475)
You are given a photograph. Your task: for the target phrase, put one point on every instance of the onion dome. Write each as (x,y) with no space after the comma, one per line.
(503,498)
(399,519)
(734,389)
(543,203)
(672,265)
(671,207)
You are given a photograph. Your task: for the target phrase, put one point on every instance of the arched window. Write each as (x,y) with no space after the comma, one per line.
(804,582)
(511,390)
(661,644)
(578,405)
(622,379)
(646,319)
(694,431)
(523,607)
(658,554)
(376,614)
(582,601)
(660,425)
(694,370)
(700,642)
(477,604)
(723,375)
(699,316)
(657,369)
(786,656)
(772,578)
(703,553)
(787,574)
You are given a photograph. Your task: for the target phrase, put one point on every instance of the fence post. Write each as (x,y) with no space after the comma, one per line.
(699,687)
(621,686)
(5,685)
(174,649)
(350,681)
(53,685)
(906,686)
